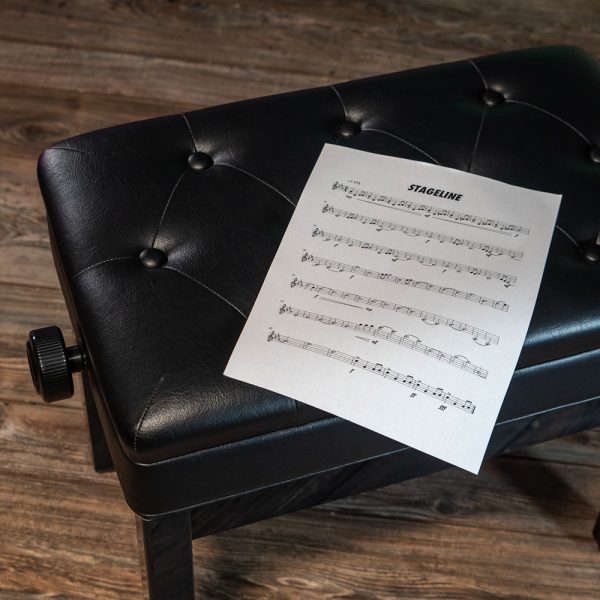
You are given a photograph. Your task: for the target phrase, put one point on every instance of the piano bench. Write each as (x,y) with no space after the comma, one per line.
(163,231)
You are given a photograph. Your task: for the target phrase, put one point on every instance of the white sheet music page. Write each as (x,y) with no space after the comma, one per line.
(399,299)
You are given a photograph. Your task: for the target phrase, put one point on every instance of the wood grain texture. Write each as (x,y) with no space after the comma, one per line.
(522,529)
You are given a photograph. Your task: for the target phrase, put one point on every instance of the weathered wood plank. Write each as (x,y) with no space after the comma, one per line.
(580,449)
(16,382)
(521,529)
(304,37)
(395,559)
(137,76)
(29,122)
(28,262)
(24,308)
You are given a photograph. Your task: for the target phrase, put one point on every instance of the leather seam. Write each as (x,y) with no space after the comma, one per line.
(381,131)
(551,114)
(284,481)
(543,110)
(569,237)
(340,466)
(187,122)
(341,100)
(397,137)
(272,187)
(534,106)
(148,403)
(102,262)
(206,287)
(476,145)
(481,76)
(547,410)
(169,200)
(330,419)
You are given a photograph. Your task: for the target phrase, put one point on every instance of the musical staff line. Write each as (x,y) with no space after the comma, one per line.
(338,302)
(333,265)
(377,369)
(480,336)
(385,332)
(427,261)
(429,210)
(488,249)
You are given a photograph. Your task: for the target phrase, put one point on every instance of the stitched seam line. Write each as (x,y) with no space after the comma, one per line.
(102,262)
(330,419)
(568,236)
(550,114)
(148,403)
(164,212)
(547,410)
(403,141)
(340,99)
(507,445)
(483,80)
(206,287)
(257,179)
(477,139)
(190,130)
(283,481)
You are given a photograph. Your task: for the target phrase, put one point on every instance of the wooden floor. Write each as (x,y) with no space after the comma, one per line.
(522,529)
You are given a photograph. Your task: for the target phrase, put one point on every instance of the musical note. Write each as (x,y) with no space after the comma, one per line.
(487,249)
(428,261)
(387,333)
(426,210)
(333,265)
(377,369)
(429,318)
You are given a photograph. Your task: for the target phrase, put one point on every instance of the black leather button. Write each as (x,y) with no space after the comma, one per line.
(595,154)
(199,161)
(492,98)
(152,258)
(347,129)
(591,251)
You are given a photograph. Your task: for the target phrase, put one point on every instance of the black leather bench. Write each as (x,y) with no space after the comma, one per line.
(163,230)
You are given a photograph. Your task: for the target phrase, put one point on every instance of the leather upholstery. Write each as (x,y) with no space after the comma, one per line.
(158,339)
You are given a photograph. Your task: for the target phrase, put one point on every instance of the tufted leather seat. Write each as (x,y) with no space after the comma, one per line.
(163,231)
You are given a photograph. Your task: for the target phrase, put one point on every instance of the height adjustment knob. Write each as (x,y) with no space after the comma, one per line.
(51,363)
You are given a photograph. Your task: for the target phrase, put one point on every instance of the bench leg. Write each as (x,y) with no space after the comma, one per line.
(100,454)
(165,545)
(597,531)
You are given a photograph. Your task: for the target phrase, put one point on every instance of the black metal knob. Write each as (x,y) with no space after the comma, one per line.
(51,363)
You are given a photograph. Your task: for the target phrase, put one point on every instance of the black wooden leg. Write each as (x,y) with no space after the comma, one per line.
(597,531)
(100,453)
(166,547)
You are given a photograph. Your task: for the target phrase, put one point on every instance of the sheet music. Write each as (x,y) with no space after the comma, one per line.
(399,299)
